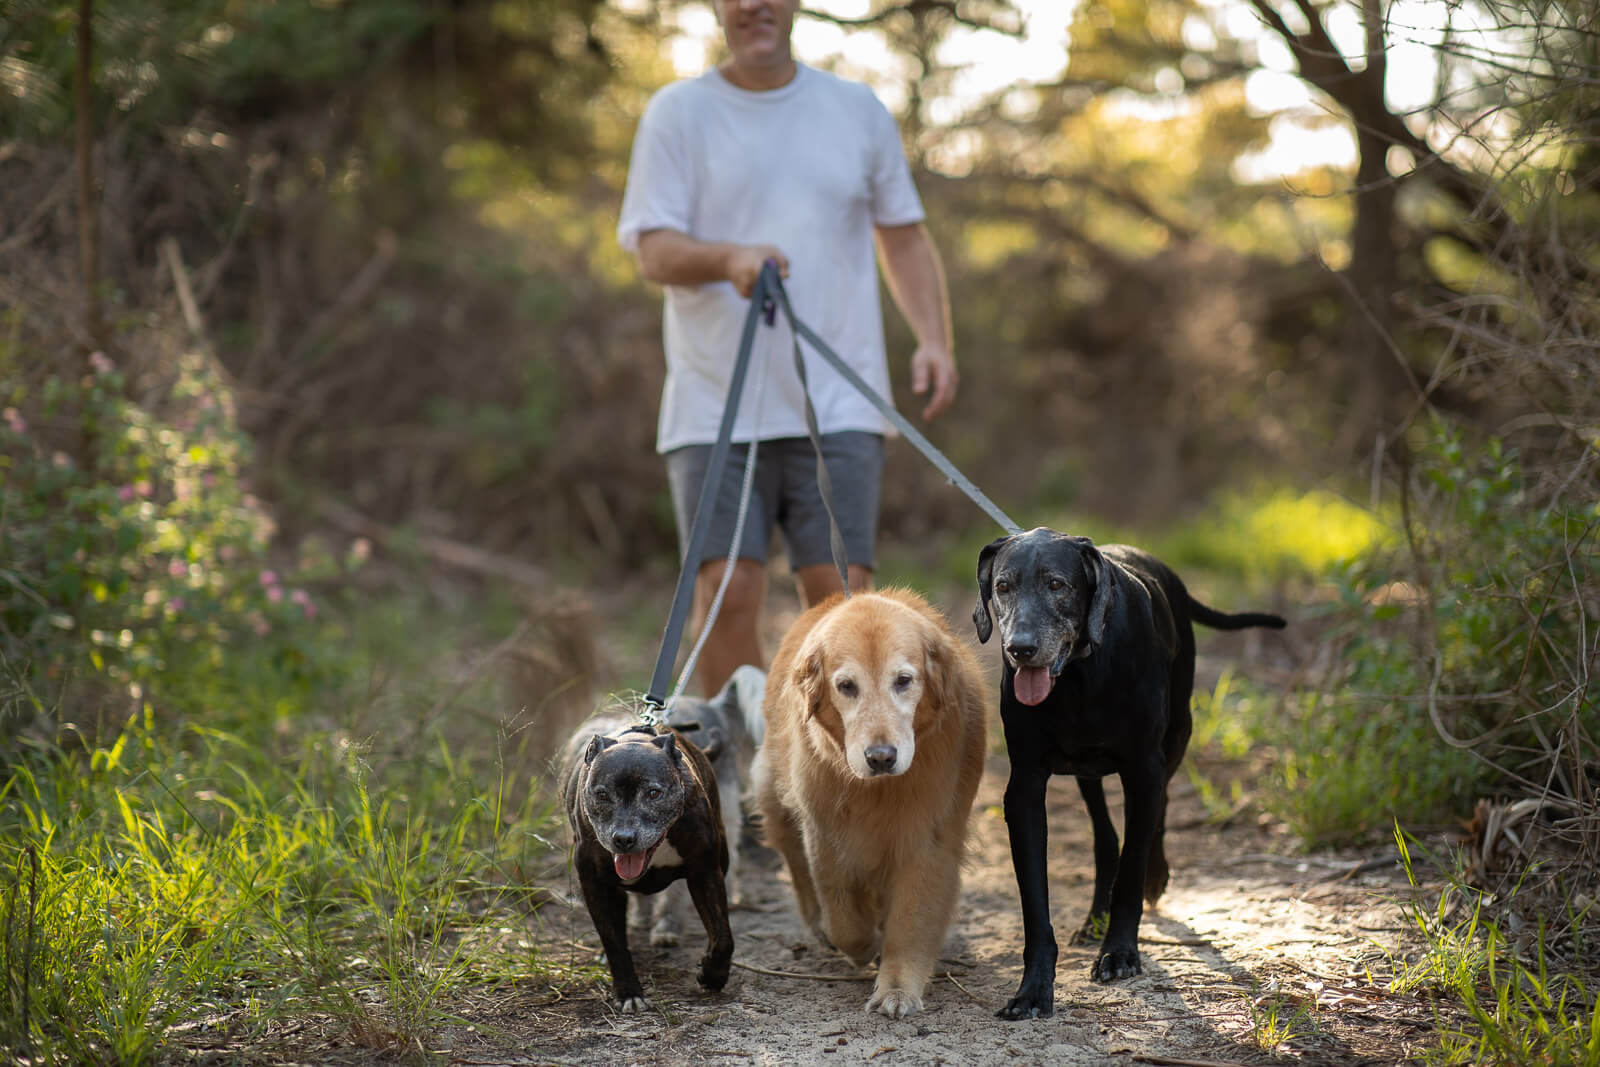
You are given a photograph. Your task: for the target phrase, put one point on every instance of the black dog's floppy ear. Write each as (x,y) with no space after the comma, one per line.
(597,745)
(1105,593)
(980,614)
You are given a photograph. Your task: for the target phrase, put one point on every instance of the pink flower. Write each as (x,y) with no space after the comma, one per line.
(175,605)
(301,597)
(177,569)
(269,578)
(125,493)
(274,593)
(101,363)
(15,420)
(142,487)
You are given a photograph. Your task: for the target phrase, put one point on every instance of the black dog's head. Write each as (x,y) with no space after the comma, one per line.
(1050,595)
(633,789)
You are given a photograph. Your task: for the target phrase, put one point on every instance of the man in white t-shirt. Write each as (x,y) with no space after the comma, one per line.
(764,158)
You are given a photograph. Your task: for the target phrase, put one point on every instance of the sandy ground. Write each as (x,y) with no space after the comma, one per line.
(1253,956)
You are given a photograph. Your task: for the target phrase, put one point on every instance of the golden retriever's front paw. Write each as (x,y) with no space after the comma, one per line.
(895,1003)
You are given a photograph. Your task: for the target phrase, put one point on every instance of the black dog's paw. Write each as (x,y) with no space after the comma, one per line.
(1115,963)
(1029,1005)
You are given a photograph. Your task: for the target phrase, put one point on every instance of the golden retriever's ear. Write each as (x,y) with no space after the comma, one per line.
(936,670)
(808,679)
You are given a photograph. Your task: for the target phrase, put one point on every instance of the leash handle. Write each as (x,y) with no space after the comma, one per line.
(769,308)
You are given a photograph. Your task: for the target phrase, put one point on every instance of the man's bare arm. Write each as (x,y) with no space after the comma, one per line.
(915,274)
(669,257)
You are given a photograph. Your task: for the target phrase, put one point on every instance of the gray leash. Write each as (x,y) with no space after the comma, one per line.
(654,703)
(901,423)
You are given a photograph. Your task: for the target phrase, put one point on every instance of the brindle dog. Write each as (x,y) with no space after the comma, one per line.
(644,812)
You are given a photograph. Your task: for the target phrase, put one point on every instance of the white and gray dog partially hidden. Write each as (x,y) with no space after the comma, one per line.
(729,729)
(647,810)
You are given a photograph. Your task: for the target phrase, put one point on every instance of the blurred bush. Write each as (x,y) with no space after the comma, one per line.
(132,547)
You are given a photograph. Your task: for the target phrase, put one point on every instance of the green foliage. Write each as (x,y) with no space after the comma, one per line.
(174,876)
(1483,623)
(156,61)
(1522,1010)
(1459,662)
(132,547)
(159,63)
(1274,534)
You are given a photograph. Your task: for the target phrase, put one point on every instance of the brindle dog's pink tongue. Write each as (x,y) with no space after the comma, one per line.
(630,865)
(1031,684)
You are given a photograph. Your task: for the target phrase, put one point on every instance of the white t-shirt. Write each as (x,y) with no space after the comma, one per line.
(810,168)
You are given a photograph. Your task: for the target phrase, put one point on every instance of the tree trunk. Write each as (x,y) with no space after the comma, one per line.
(88,203)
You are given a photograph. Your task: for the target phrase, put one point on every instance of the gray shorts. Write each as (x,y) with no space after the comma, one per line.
(785,497)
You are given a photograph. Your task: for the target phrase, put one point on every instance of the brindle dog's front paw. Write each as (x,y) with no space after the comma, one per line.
(1116,963)
(632,1005)
(713,974)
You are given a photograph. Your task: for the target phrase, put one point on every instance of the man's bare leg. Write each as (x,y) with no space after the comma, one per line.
(736,635)
(820,580)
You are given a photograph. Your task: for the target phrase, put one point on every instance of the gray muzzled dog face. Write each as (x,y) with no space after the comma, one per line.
(633,791)
(1049,595)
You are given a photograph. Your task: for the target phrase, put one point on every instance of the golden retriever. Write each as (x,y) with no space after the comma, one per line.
(876,731)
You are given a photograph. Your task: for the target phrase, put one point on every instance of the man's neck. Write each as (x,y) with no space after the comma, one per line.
(760,79)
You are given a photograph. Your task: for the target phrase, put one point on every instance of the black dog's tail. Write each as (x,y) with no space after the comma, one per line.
(1221,620)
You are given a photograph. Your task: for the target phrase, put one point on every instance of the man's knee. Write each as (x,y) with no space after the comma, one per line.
(746,588)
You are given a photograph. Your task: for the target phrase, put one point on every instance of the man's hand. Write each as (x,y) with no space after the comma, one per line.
(745,262)
(936,367)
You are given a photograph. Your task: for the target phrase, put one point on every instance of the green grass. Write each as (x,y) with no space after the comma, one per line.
(1521,1007)
(241,865)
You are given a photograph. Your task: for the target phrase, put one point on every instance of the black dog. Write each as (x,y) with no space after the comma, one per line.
(1098,669)
(645,812)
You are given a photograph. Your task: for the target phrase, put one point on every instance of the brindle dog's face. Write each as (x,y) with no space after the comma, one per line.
(1046,593)
(633,791)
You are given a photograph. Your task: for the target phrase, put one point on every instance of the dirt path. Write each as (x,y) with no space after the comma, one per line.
(1251,947)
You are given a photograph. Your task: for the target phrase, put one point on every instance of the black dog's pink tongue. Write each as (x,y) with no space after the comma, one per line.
(1031,684)
(630,865)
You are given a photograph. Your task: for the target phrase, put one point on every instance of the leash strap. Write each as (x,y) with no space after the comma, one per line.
(912,434)
(684,595)
(824,482)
